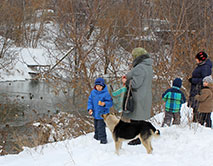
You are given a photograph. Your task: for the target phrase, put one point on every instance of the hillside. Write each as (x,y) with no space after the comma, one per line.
(184,145)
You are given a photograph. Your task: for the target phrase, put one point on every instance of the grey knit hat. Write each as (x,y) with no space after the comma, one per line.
(208,79)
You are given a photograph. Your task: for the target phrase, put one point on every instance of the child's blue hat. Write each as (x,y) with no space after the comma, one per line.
(177,82)
(100,81)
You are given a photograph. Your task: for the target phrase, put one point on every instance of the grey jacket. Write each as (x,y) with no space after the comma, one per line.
(141,82)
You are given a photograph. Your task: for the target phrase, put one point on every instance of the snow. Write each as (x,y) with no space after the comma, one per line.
(32,56)
(188,144)
(25,56)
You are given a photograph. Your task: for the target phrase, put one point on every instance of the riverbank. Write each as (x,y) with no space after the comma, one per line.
(189,144)
(49,129)
(25,103)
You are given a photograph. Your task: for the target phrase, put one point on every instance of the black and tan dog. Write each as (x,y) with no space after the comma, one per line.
(122,131)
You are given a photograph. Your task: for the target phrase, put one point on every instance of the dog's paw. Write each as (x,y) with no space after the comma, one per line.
(117,153)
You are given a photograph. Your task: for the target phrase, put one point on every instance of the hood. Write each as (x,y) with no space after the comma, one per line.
(147,61)
(207,62)
(105,89)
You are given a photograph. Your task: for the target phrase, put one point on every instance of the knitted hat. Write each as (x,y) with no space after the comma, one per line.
(202,56)
(208,79)
(100,81)
(177,82)
(138,52)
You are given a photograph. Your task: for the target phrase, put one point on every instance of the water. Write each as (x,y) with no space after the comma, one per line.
(35,97)
(21,103)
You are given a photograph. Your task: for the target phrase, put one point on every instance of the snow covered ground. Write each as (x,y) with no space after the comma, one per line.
(184,145)
(25,56)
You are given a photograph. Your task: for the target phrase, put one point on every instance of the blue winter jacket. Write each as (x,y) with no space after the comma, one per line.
(102,96)
(202,70)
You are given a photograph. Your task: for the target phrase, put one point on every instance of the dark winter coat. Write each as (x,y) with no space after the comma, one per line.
(141,82)
(202,70)
(102,96)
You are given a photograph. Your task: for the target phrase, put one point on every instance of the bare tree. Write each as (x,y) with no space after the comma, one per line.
(99,36)
(7,54)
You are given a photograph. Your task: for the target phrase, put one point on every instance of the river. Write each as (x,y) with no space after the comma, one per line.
(21,103)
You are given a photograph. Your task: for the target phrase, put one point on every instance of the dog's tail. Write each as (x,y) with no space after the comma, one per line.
(157,133)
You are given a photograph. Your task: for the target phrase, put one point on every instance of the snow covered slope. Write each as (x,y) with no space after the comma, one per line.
(184,145)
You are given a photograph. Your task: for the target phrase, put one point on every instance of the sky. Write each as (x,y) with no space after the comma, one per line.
(188,144)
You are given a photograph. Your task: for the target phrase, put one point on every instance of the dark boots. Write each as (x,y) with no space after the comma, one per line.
(103,141)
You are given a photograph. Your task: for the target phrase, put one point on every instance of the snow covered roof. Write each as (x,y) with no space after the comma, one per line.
(25,58)
(31,56)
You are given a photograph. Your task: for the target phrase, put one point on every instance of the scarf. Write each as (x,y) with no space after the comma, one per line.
(140,59)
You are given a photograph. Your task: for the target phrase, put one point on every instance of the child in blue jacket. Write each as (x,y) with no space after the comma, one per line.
(99,103)
(174,99)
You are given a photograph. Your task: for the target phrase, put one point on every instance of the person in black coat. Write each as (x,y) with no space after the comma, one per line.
(203,69)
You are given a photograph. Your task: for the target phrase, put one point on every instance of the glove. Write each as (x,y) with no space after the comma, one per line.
(124,80)
(90,112)
(190,80)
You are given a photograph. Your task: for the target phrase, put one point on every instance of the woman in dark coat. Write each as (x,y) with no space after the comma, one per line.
(203,69)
